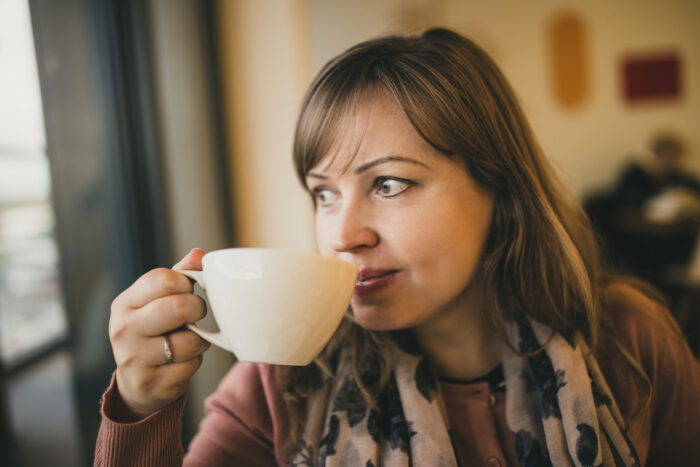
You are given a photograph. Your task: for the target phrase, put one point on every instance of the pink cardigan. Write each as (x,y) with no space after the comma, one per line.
(246,422)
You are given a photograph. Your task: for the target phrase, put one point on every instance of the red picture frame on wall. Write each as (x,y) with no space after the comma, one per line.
(651,77)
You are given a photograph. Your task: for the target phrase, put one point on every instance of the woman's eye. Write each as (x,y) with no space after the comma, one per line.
(391,186)
(324,196)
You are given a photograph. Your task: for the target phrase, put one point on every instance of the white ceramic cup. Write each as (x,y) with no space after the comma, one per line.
(273,306)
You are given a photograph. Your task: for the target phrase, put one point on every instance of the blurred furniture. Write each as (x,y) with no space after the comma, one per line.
(663,252)
(654,250)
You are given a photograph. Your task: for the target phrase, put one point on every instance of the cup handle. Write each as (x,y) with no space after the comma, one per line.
(213,337)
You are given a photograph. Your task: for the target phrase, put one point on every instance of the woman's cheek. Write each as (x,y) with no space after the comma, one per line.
(323,237)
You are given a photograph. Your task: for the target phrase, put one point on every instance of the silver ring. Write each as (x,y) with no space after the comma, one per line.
(166,350)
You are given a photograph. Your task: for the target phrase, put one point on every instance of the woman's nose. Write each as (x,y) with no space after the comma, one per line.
(354,230)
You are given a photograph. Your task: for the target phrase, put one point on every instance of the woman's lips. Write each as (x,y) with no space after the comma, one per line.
(373,280)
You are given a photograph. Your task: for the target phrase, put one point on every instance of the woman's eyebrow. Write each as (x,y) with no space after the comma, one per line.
(315,175)
(384,160)
(369,165)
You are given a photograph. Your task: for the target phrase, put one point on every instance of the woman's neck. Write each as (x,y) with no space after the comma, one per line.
(458,342)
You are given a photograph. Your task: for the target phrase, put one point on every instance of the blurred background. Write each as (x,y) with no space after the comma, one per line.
(132,131)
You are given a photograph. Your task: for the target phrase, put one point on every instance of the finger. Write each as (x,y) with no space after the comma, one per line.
(165,314)
(184,345)
(176,375)
(192,260)
(154,284)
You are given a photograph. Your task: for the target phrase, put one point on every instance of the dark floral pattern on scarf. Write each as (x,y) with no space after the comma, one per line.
(550,384)
(424,377)
(302,456)
(599,396)
(528,342)
(391,424)
(388,420)
(349,399)
(374,425)
(396,429)
(547,379)
(425,380)
(327,445)
(586,444)
(529,451)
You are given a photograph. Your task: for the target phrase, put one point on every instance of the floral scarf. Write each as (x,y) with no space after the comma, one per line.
(558,407)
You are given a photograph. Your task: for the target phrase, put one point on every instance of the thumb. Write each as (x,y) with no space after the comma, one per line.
(192,260)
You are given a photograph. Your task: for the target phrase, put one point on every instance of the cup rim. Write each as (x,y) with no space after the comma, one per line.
(280,252)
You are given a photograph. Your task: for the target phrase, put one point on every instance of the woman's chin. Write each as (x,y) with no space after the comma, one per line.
(378,319)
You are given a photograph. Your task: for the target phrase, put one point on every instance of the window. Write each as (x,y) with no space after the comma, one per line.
(31,306)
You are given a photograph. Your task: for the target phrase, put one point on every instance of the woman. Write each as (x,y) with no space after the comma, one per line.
(481,331)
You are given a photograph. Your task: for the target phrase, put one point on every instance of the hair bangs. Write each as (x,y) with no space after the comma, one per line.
(330,103)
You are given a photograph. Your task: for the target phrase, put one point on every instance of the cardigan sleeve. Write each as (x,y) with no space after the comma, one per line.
(153,441)
(245,425)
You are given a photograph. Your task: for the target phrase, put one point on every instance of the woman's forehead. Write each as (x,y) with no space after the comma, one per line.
(343,150)
(375,127)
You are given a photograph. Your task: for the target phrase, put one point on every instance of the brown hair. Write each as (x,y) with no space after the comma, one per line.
(541,257)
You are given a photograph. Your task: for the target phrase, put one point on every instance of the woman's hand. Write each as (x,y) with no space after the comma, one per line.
(155,308)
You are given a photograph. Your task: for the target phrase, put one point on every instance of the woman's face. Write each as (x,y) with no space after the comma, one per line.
(412,220)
